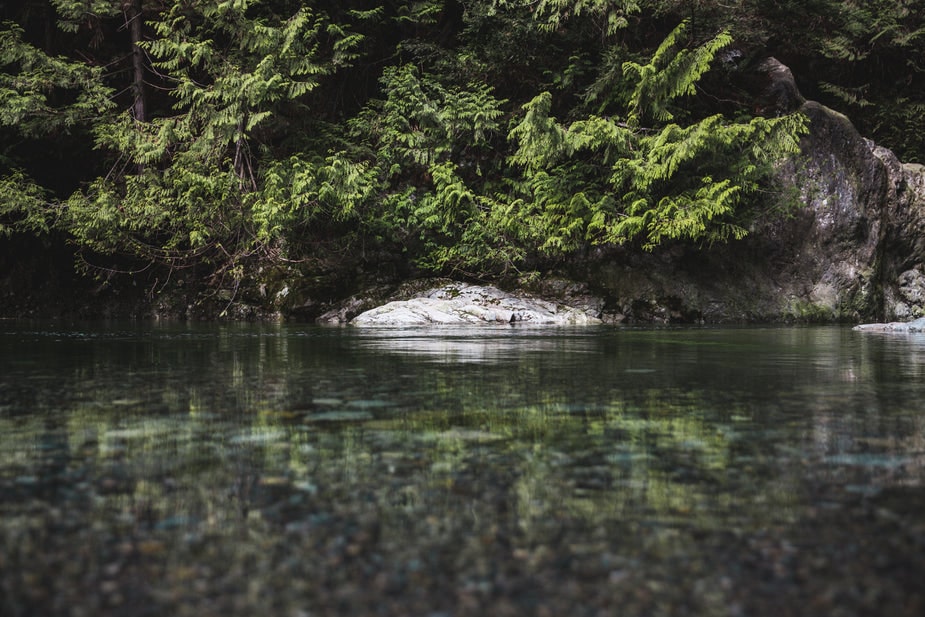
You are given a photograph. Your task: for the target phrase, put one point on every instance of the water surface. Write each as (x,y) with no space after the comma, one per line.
(292,470)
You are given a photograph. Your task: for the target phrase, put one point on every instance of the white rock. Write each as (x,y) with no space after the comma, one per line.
(458,303)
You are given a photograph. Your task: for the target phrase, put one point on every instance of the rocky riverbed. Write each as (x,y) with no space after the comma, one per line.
(181,469)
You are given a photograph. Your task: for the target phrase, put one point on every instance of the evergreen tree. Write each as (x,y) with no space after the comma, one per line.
(481,137)
(652,181)
(639,176)
(188,186)
(45,101)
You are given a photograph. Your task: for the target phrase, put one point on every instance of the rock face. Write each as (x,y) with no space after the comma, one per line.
(854,250)
(778,89)
(459,304)
(862,247)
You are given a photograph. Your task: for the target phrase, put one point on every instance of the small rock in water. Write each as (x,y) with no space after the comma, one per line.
(260,437)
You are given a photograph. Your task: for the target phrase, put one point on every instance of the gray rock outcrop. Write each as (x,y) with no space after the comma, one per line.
(779,94)
(859,248)
(461,304)
(852,250)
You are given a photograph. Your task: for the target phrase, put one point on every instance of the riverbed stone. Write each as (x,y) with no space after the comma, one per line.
(461,304)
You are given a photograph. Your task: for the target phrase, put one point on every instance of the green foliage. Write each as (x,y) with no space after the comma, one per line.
(421,122)
(419,136)
(194,185)
(610,15)
(296,192)
(860,57)
(541,140)
(23,205)
(597,180)
(876,52)
(231,71)
(670,191)
(482,137)
(419,11)
(75,13)
(41,98)
(32,83)
(673,183)
(672,72)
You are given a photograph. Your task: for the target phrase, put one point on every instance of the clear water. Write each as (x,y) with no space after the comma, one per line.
(293,470)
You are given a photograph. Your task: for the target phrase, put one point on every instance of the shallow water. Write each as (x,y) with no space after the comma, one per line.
(291,470)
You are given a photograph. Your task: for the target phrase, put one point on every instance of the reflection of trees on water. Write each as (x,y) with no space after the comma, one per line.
(208,429)
(303,461)
(546,461)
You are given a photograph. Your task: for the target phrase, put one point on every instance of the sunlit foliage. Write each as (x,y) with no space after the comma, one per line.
(482,137)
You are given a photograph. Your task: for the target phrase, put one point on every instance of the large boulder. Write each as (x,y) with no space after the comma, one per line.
(901,249)
(854,249)
(777,89)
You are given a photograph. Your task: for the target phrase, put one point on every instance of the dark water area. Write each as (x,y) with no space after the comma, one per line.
(297,471)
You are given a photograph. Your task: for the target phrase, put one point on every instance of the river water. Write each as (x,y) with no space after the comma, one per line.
(298,471)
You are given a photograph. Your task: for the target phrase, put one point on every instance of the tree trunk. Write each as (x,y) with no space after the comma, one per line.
(134,16)
(51,18)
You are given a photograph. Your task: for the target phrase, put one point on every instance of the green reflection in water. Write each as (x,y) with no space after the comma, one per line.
(276,469)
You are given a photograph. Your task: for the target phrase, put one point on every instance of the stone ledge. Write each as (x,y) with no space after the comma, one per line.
(460,303)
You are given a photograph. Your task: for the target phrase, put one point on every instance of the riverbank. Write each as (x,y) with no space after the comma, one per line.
(849,248)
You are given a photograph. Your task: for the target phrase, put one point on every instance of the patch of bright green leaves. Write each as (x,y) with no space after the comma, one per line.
(201,184)
(637,177)
(436,167)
